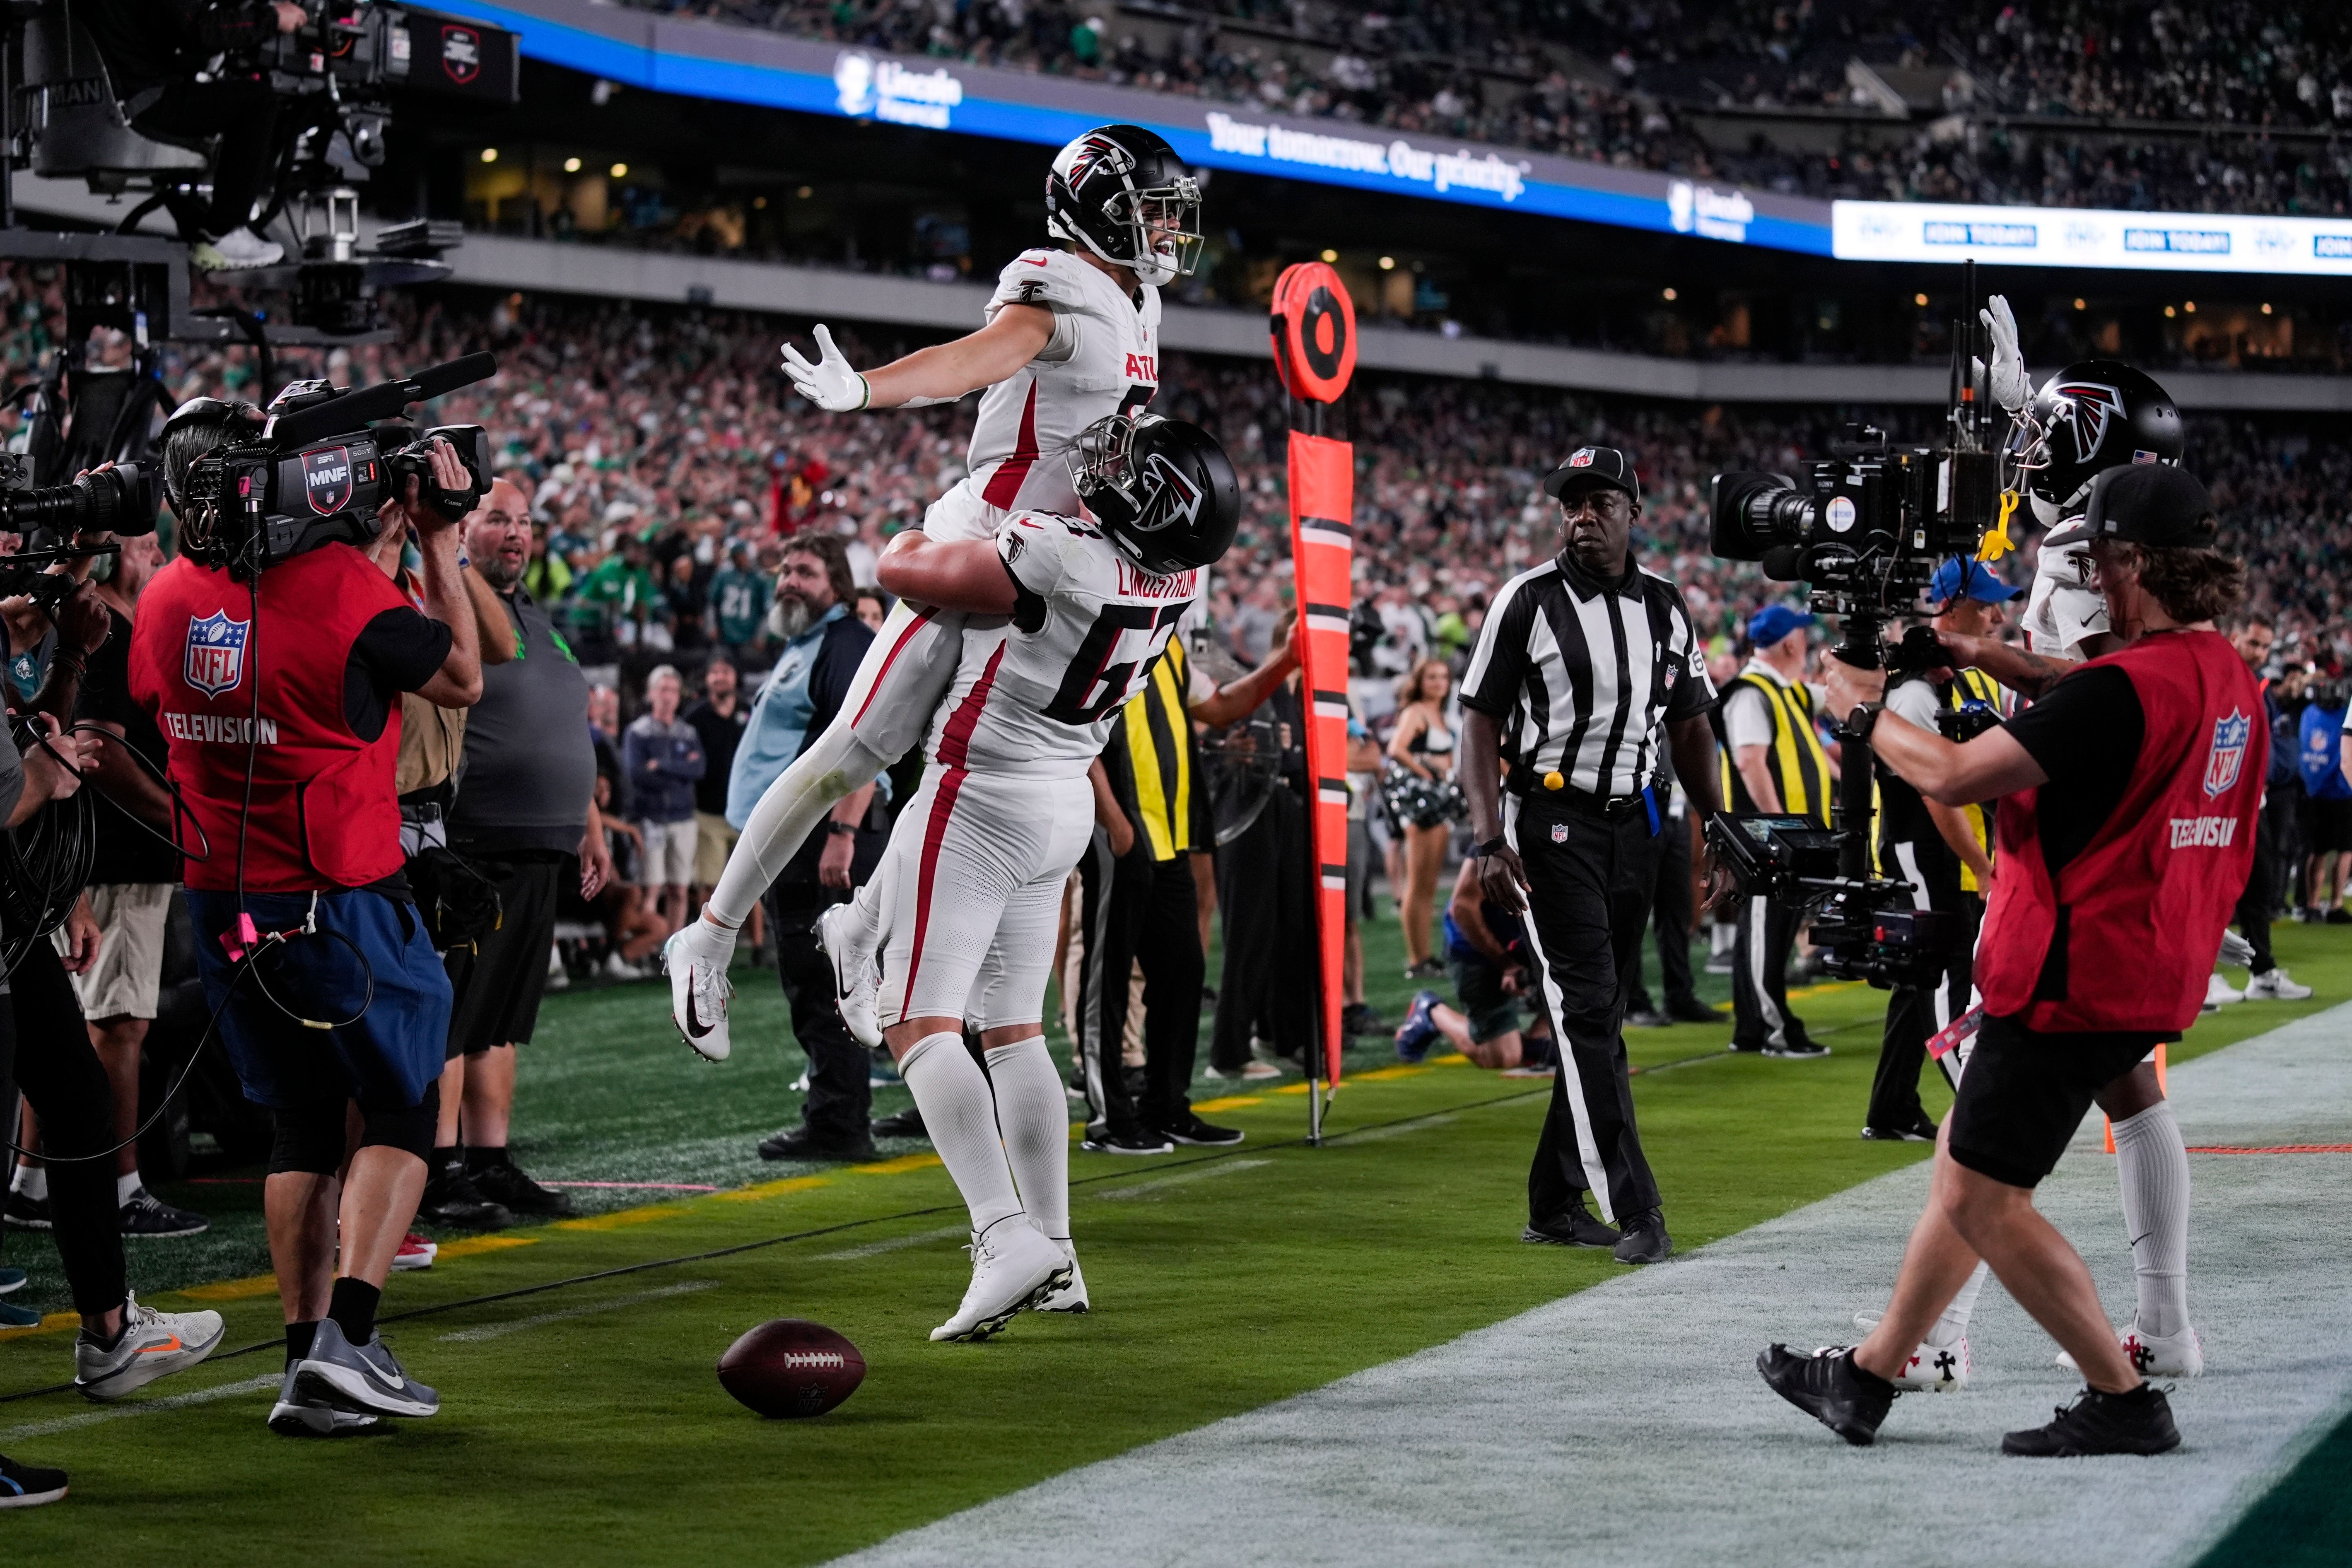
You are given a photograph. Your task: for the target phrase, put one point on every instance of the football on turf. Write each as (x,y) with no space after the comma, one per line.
(790,1367)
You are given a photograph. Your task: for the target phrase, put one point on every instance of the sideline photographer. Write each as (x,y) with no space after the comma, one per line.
(153,51)
(277,685)
(2126,828)
(1945,852)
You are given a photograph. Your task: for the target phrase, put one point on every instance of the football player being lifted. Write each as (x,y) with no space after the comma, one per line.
(1065,619)
(2090,416)
(1072,336)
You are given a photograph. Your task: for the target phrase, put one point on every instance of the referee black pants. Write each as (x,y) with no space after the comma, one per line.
(1590,885)
(1137,909)
(1760,1018)
(838,1110)
(1265,894)
(43,1042)
(1916,1013)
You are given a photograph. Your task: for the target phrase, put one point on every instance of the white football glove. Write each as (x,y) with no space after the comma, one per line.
(2236,950)
(2011,388)
(829,384)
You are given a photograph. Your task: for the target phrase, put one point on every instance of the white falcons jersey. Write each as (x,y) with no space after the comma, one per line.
(1036,695)
(1103,358)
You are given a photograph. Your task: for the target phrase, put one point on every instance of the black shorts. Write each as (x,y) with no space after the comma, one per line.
(498,986)
(2327,826)
(2023,1094)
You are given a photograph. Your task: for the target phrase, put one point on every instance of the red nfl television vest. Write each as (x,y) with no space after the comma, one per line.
(324,814)
(2125,934)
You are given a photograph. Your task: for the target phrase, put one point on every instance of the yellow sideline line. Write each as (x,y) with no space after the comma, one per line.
(1230,1102)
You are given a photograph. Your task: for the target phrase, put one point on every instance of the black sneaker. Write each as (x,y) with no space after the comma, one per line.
(803,1143)
(1647,1018)
(147,1214)
(2139,1422)
(1798,1050)
(26,1213)
(1201,1135)
(1574,1225)
(1745,1049)
(1133,1141)
(451,1200)
(907,1123)
(504,1184)
(1644,1239)
(1357,1018)
(1849,1400)
(28,1486)
(1920,1131)
(1691,1010)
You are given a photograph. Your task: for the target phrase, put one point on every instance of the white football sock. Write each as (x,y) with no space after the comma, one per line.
(1954,1323)
(2153,1165)
(830,766)
(1034,1117)
(124,1186)
(33,1181)
(959,1117)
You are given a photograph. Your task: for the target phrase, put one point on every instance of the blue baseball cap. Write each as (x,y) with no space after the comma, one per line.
(1773,622)
(1968,579)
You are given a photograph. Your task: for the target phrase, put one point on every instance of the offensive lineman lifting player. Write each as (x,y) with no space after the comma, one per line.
(1072,337)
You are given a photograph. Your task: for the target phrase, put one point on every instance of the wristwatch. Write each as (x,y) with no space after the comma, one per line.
(1480,852)
(834,824)
(1862,720)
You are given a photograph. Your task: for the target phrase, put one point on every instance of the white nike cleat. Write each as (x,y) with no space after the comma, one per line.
(1072,1297)
(1931,1369)
(1013,1268)
(696,959)
(152,1345)
(856,984)
(2156,1355)
(2272,985)
(2219,993)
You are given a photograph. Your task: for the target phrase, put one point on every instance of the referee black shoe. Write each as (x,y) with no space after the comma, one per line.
(2139,1422)
(1798,1050)
(1644,1239)
(1849,1400)
(907,1123)
(1920,1131)
(1574,1225)
(1201,1135)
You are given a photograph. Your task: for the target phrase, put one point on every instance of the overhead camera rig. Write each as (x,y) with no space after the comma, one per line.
(60,116)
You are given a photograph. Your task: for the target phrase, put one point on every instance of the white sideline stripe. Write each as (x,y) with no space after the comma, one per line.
(1400,1130)
(139,1407)
(1180,1179)
(1643,1391)
(500,1331)
(876,1249)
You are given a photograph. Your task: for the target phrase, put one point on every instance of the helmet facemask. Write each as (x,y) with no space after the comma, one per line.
(1152,228)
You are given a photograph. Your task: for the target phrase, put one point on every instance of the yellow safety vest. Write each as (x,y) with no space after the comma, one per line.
(1800,768)
(1159,736)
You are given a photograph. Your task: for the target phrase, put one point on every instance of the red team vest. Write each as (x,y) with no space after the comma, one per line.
(324,814)
(2125,936)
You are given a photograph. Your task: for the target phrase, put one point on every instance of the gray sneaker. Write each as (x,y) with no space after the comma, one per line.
(363,1380)
(152,1345)
(297,1415)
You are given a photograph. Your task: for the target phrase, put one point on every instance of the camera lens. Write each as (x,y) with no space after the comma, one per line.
(120,501)
(1753,512)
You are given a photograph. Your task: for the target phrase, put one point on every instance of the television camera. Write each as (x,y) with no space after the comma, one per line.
(1865,529)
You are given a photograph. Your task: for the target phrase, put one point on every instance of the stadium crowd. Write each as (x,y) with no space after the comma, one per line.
(1616,82)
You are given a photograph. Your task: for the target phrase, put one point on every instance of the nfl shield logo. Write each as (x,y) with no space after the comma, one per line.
(216,653)
(461,52)
(2229,752)
(1580,459)
(1560,833)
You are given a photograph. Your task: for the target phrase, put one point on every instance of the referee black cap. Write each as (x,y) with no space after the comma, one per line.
(2152,504)
(1598,466)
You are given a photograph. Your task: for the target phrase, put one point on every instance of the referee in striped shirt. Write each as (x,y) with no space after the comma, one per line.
(1587,670)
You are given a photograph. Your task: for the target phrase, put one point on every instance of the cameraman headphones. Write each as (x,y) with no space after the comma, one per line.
(232,410)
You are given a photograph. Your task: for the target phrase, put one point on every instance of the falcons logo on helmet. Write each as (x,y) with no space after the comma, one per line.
(1167,497)
(2091,409)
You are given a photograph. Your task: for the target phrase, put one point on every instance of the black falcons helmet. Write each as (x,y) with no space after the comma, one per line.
(1121,191)
(2096,414)
(1163,490)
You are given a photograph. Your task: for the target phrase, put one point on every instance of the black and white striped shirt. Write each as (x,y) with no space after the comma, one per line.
(1580,673)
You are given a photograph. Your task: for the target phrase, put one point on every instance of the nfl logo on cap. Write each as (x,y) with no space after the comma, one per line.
(215,661)
(2229,752)
(1580,459)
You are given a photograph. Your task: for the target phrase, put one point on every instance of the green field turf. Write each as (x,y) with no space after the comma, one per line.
(581,1423)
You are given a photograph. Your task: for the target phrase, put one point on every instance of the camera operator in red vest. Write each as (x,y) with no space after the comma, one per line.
(2128,797)
(279,699)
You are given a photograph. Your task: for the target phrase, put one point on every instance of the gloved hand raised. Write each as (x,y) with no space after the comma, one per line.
(829,384)
(2009,384)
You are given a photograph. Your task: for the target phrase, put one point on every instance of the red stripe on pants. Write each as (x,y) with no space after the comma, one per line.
(954,742)
(921,619)
(1006,483)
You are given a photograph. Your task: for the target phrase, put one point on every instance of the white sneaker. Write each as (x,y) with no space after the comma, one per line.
(2154,1355)
(236,250)
(620,969)
(856,983)
(1072,1297)
(2272,985)
(152,1345)
(2219,993)
(1013,1269)
(558,977)
(1932,1368)
(696,959)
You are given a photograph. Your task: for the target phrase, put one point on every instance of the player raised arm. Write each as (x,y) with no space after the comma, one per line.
(967,575)
(939,374)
